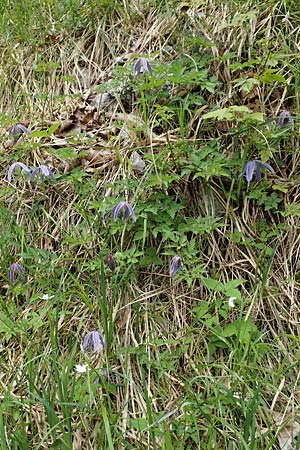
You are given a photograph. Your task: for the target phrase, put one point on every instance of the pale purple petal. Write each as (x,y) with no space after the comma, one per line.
(16,130)
(137,67)
(255,165)
(117,209)
(93,341)
(45,172)
(16,267)
(142,65)
(267,166)
(285,118)
(149,68)
(175,265)
(129,210)
(126,207)
(12,168)
(250,170)
(257,172)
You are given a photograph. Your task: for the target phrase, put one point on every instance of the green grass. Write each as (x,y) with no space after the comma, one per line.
(181,368)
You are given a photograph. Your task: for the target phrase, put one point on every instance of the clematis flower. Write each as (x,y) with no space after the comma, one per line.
(142,65)
(255,165)
(45,172)
(126,208)
(13,167)
(110,262)
(175,265)
(93,341)
(285,118)
(15,269)
(17,130)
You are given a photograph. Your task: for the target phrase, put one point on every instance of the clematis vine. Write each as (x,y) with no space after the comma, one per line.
(254,166)
(175,265)
(142,65)
(14,270)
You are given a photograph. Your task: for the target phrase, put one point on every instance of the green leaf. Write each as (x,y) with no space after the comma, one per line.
(46,133)
(246,84)
(213,285)
(243,330)
(66,153)
(230,113)
(201,310)
(270,76)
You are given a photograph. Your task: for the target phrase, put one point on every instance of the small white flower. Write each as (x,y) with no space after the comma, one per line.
(237,395)
(286,17)
(47,297)
(231,302)
(81,369)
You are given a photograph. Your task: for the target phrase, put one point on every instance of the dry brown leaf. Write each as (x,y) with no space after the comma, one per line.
(288,433)
(288,436)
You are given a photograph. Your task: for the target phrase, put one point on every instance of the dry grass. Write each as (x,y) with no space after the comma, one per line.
(174,386)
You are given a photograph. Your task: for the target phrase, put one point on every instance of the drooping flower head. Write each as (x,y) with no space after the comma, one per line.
(285,119)
(44,172)
(17,130)
(16,269)
(93,341)
(142,65)
(175,265)
(13,167)
(110,262)
(255,166)
(126,208)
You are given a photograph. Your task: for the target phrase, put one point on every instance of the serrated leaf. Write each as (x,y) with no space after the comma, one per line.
(226,113)
(255,117)
(213,285)
(46,133)
(270,76)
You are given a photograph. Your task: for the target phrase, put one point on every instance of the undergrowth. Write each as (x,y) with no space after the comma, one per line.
(197,299)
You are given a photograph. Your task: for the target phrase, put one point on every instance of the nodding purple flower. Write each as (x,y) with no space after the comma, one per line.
(45,172)
(16,130)
(285,118)
(15,269)
(142,65)
(93,341)
(175,265)
(126,208)
(255,165)
(110,262)
(12,168)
